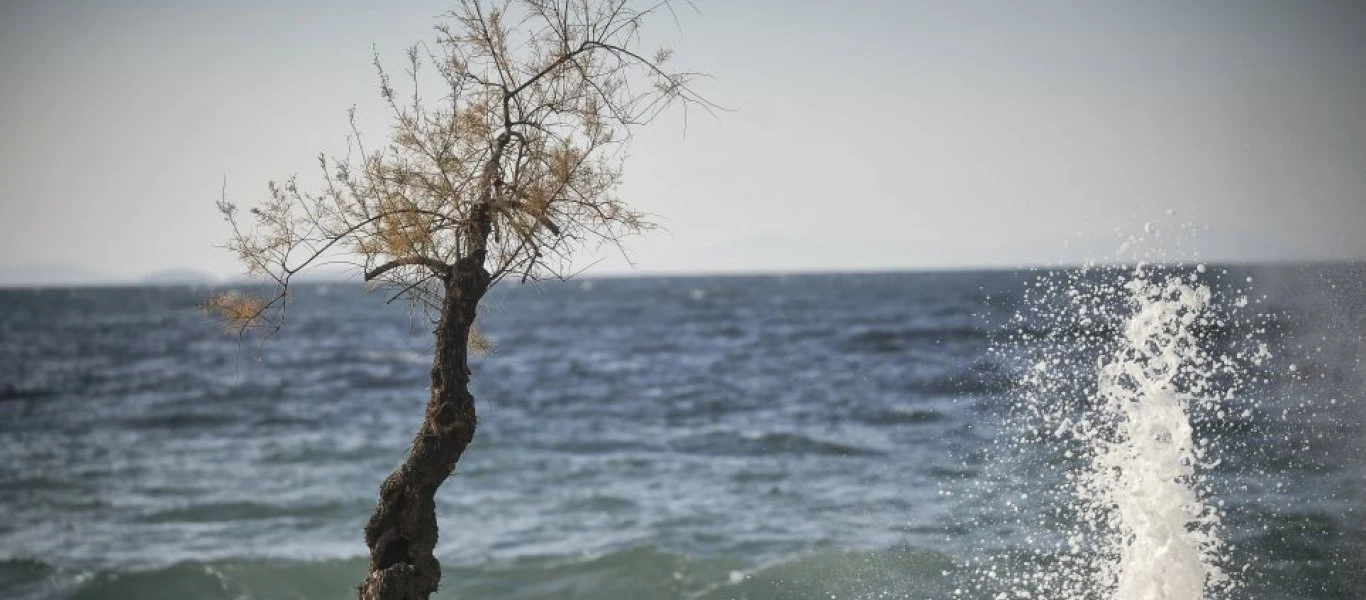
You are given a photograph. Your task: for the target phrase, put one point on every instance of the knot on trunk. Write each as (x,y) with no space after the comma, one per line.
(469,276)
(442,417)
(391,548)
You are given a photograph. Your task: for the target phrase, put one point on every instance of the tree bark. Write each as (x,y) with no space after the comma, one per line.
(402,532)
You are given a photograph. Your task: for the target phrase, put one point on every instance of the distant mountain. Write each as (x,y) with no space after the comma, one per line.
(53,274)
(179,277)
(66,274)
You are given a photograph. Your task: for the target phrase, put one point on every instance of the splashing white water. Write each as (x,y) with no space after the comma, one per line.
(1143,478)
(1120,371)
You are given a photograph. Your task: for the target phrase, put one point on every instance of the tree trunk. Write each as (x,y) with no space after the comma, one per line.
(401,534)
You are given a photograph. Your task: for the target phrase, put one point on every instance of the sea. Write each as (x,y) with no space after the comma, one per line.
(812,436)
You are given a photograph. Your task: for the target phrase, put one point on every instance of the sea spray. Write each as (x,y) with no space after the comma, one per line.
(1104,457)
(1143,479)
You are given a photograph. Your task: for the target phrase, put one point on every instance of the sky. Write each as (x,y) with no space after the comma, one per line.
(864,135)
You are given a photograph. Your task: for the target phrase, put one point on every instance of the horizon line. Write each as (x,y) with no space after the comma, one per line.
(324,278)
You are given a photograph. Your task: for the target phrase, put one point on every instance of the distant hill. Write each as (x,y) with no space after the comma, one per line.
(179,277)
(53,274)
(65,274)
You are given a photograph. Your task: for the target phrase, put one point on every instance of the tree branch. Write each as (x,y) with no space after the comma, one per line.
(440,269)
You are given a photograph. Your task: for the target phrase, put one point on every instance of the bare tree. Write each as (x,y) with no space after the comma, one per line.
(508,174)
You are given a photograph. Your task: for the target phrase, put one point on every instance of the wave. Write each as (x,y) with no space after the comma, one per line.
(216,512)
(901,339)
(900,415)
(184,420)
(980,377)
(633,573)
(765,443)
(24,577)
(220,580)
(22,392)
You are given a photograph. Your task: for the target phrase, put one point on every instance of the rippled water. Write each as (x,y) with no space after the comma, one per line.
(746,437)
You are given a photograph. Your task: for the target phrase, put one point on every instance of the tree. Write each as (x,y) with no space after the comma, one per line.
(510,173)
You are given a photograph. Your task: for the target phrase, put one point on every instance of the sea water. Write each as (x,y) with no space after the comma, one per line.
(821,436)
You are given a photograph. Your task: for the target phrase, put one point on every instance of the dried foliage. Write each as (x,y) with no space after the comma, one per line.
(238,311)
(516,164)
(477,343)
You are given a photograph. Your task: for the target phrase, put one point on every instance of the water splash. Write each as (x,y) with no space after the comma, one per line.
(1143,480)
(1107,463)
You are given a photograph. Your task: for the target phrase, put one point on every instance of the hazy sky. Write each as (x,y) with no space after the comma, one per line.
(865,135)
